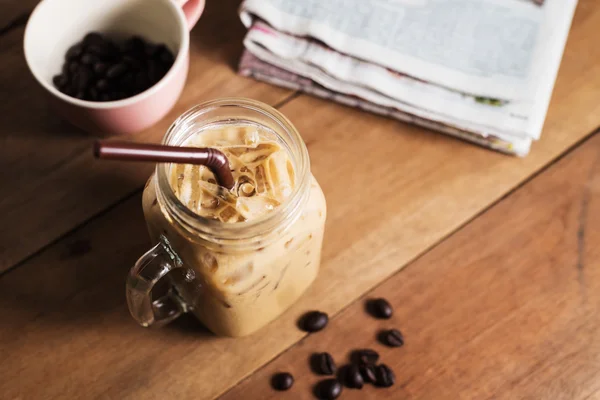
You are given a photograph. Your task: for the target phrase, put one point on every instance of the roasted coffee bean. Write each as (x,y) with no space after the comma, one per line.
(127,81)
(328,389)
(166,57)
(367,371)
(116,70)
(141,82)
(94,39)
(367,356)
(324,364)
(82,78)
(135,44)
(93,94)
(151,49)
(101,51)
(114,52)
(65,69)
(154,71)
(380,308)
(102,85)
(73,67)
(100,69)
(385,376)
(282,381)
(314,321)
(89,59)
(80,95)
(354,378)
(392,338)
(132,62)
(60,81)
(74,52)
(73,81)
(112,72)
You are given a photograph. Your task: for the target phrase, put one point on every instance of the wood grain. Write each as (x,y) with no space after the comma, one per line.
(66,325)
(14,14)
(506,308)
(66,330)
(50,183)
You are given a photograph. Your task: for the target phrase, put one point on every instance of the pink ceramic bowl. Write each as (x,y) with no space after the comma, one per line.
(55,25)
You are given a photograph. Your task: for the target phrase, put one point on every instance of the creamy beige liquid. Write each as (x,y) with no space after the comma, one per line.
(237,292)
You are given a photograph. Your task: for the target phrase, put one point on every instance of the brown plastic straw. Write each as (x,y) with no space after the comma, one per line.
(211,158)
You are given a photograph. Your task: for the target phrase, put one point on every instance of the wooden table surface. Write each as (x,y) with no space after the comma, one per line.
(501,297)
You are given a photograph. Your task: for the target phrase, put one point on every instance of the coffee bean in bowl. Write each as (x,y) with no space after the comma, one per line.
(99,69)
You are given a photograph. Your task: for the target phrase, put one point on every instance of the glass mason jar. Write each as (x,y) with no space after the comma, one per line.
(234,277)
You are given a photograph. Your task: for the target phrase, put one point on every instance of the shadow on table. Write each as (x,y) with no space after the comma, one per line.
(78,284)
(219,34)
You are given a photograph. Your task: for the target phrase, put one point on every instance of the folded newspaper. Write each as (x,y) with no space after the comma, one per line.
(481,70)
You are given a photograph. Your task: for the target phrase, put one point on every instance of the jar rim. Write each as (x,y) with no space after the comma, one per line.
(214,230)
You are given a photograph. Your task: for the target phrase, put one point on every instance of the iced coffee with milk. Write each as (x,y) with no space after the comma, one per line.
(244,254)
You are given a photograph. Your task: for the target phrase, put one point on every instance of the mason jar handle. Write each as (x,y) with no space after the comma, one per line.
(149,269)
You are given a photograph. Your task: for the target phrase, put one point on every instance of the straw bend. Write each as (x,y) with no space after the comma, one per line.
(129,151)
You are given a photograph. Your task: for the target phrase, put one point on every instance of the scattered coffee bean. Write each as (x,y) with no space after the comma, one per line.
(282,381)
(354,378)
(131,69)
(385,376)
(392,338)
(367,356)
(314,321)
(324,364)
(328,389)
(367,371)
(380,308)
